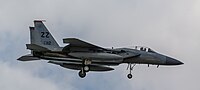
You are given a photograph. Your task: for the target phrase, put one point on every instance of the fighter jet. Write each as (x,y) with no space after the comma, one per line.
(85,57)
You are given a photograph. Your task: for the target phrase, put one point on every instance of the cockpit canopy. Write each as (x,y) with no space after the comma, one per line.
(146,49)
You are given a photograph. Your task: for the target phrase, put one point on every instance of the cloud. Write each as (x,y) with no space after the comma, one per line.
(17,79)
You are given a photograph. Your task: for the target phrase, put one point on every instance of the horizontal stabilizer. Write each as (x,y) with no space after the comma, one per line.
(28,57)
(35,47)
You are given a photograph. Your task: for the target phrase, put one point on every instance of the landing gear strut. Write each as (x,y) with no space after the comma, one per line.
(86,64)
(82,73)
(130,67)
(85,68)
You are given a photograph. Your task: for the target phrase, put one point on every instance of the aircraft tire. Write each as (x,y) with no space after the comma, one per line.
(86,68)
(129,76)
(82,74)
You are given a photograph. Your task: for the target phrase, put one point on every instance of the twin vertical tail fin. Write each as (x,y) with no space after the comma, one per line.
(41,38)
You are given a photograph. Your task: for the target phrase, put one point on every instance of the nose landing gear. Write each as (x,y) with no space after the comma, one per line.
(130,67)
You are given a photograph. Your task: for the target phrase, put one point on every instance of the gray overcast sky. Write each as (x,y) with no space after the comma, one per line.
(171,27)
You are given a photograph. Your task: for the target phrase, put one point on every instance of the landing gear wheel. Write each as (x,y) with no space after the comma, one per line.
(86,68)
(129,76)
(82,74)
(130,68)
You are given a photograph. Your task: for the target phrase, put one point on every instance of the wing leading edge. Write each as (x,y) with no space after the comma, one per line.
(80,44)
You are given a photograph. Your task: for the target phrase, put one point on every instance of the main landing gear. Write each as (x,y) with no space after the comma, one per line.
(85,68)
(82,73)
(130,67)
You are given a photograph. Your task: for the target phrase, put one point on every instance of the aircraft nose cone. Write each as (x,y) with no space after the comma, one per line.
(171,61)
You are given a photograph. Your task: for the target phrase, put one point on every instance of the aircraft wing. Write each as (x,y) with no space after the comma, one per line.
(77,43)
